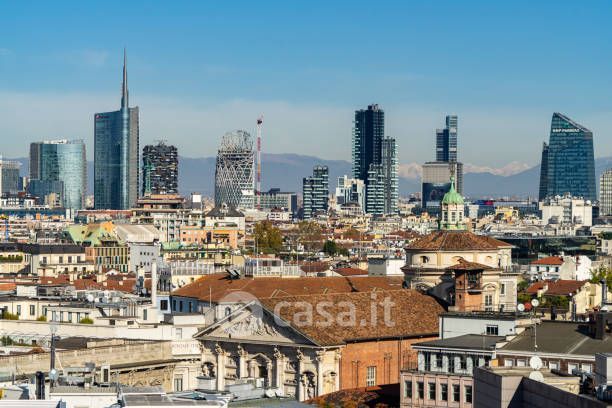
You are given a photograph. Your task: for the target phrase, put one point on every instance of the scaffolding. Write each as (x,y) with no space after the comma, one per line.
(234,181)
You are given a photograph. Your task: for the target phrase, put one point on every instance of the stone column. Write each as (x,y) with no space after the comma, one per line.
(242,356)
(300,388)
(279,377)
(220,367)
(337,368)
(319,358)
(269,374)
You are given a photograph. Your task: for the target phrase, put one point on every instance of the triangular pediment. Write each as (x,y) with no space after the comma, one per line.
(253,323)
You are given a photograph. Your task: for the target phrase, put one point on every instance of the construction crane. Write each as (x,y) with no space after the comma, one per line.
(259,123)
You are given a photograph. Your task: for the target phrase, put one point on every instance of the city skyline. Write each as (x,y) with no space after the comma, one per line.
(315,96)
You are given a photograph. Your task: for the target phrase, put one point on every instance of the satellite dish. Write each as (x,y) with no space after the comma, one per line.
(536,376)
(520,307)
(104,299)
(53,375)
(89,297)
(535,302)
(535,362)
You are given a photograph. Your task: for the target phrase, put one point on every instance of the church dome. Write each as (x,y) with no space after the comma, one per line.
(452,196)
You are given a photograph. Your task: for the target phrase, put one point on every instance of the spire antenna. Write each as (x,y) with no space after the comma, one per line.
(124,86)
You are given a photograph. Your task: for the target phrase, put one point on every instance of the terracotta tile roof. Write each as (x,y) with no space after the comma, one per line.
(369,397)
(312,267)
(549,260)
(463,265)
(556,288)
(7,286)
(411,314)
(86,284)
(219,286)
(50,280)
(124,285)
(456,241)
(351,272)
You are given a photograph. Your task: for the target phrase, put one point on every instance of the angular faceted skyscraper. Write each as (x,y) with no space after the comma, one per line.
(116,138)
(571,162)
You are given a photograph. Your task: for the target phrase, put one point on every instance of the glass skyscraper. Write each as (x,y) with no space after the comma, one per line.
(605,193)
(59,166)
(368,133)
(315,191)
(446,141)
(116,151)
(571,162)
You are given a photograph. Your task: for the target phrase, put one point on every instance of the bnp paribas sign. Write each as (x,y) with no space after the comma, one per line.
(565,130)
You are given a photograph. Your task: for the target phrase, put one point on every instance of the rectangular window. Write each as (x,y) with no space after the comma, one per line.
(421,390)
(163,304)
(408,389)
(492,330)
(521,363)
(508,362)
(463,362)
(432,390)
(444,392)
(145,314)
(178,384)
(61,259)
(586,368)
(179,333)
(468,394)
(439,360)
(553,365)
(571,367)
(488,302)
(371,376)
(32,310)
(18,310)
(502,289)
(69,317)
(456,393)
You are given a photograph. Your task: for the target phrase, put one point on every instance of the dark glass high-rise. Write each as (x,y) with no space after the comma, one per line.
(116,150)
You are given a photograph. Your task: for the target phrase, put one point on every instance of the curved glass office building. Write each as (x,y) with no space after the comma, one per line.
(59,166)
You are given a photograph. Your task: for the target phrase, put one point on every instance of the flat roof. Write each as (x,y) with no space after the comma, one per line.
(467,341)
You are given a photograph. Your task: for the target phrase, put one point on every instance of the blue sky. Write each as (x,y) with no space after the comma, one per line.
(198,69)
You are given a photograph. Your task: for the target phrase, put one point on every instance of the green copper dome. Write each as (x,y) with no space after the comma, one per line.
(452,197)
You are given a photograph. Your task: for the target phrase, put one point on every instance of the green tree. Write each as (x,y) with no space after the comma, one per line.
(9,316)
(602,273)
(41,318)
(331,248)
(310,235)
(86,320)
(267,237)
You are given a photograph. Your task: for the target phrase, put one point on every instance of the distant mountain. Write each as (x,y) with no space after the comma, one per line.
(285,171)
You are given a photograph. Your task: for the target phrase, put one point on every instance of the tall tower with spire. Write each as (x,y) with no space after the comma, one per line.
(116,147)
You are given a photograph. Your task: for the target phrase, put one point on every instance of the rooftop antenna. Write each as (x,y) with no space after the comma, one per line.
(259,123)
